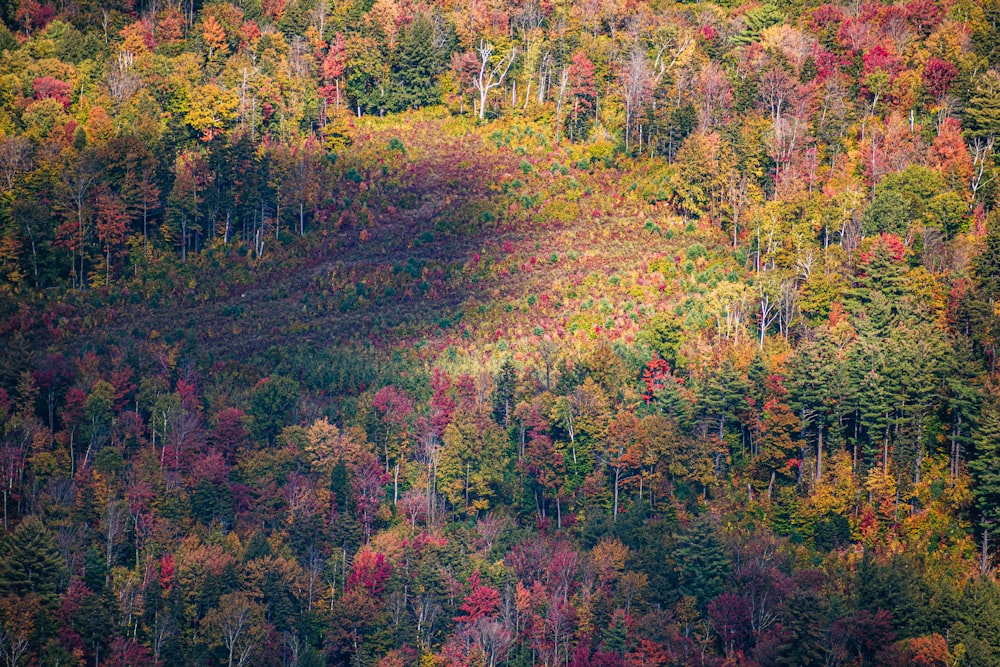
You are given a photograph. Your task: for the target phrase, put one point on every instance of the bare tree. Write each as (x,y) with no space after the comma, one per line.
(123,82)
(163,630)
(15,159)
(426,611)
(982,149)
(787,303)
(715,95)
(494,640)
(670,52)
(637,81)
(113,524)
(491,73)
(767,309)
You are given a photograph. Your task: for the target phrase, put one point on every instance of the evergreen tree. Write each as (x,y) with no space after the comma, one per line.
(805,641)
(983,109)
(962,401)
(31,562)
(345,530)
(896,586)
(977,626)
(978,314)
(257,547)
(416,64)
(340,487)
(702,563)
(811,386)
(503,393)
(986,266)
(984,467)
(722,397)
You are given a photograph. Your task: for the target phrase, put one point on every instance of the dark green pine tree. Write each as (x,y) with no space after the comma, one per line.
(977,623)
(345,530)
(977,315)
(812,384)
(31,562)
(919,361)
(984,467)
(722,397)
(983,110)
(417,62)
(702,563)
(872,386)
(503,393)
(963,400)
(616,635)
(879,287)
(896,586)
(805,640)
(257,547)
(986,265)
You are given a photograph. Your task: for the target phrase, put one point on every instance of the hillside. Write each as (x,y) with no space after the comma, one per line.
(585,334)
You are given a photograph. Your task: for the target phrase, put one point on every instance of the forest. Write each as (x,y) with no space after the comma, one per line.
(423,333)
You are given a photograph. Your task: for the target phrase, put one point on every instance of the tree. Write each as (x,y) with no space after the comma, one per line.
(334,66)
(328,446)
(897,585)
(702,562)
(983,109)
(112,221)
(77,181)
(367,75)
(394,409)
(366,482)
(636,82)
(128,653)
(865,636)
(977,622)
(31,562)
(237,623)
(804,644)
(622,451)
(730,616)
(491,71)
(504,388)
(212,110)
(15,160)
(473,462)
(17,626)
(583,95)
(938,77)
(900,199)
(546,468)
(416,63)
(814,379)
(214,35)
(271,405)
(482,601)
(984,468)
(185,199)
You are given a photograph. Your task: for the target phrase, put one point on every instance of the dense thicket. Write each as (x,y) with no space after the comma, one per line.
(564,333)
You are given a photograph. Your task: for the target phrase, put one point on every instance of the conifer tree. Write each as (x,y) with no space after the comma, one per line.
(984,466)
(805,642)
(702,563)
(417,63)
(31,562)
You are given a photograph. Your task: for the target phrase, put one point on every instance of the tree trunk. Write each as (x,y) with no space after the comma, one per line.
(618,474)
(819,453)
